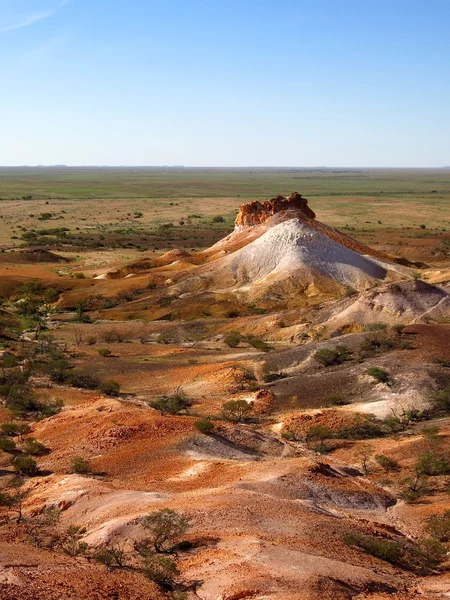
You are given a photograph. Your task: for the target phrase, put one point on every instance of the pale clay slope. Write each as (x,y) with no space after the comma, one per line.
(293,245)
(290,248)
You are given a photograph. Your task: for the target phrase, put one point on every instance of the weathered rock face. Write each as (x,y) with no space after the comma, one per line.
(255,213)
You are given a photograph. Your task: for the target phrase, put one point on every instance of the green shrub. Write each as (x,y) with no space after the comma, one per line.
(319,433)
(387,463)
(423,557)
(7,444)
(169,404)
(439,527)
(431,464)
(35,448)
(236,410)
(379,374)
(25,465)
(375,327)
(390,551)
(109,388)
(260,345)
(106,352)
(205,426)
(363,427)
(333,356)
(113,557)
(336,400)
(398,328)
(233,339)
(375,344)
(80,466)
(11,429)
(162,570)
(83,380)
(441,399)
(164,528)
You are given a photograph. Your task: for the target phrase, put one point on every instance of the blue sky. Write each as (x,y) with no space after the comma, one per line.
(225,82)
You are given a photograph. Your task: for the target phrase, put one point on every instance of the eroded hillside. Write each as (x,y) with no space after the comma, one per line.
(278,403)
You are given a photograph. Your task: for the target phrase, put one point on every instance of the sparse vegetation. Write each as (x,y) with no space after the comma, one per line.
(380,375)
(236,410)
(81,466)
(333,356)
(205,426)
(233,339)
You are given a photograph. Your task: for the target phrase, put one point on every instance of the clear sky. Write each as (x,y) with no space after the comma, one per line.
(225,82)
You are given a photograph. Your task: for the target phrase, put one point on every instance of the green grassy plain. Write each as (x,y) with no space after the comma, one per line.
(160,208)
(146,182)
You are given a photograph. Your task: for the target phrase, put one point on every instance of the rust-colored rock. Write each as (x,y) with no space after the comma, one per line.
(255,213)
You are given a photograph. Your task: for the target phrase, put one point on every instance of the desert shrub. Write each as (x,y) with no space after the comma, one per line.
(11,429)
(423,557)
(269,377)
(379,374)
(443,362)
(164,528)
(439,527)
(260,345)
(162,570)
(35,448)
(50,408)
(319,433)
(165,301)
(169,404)
(375,344)
(364,454)
(387,463)
(414,487)
(236,410)
(431,464)
(109,388)
(80,466)
(91,340)
(25,465)
(430,554)
(113,336)
(71,543)
(390,551)
(441,399)
(7,444)
(375,327)
(233,339)
(398,328)
(232,314)
(218,219)
(83,380)
(431,432)
(205,426)
(113,557)
(333,356)
(105,352)
(336,400)
(363,427)
(405,345)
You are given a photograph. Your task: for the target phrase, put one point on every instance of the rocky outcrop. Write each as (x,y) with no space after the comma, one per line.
(255,213)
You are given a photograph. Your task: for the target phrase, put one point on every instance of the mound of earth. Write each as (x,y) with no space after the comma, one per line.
(290,250)
(406,302)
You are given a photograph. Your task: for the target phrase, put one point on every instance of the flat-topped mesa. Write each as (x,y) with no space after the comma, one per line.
(255,213)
